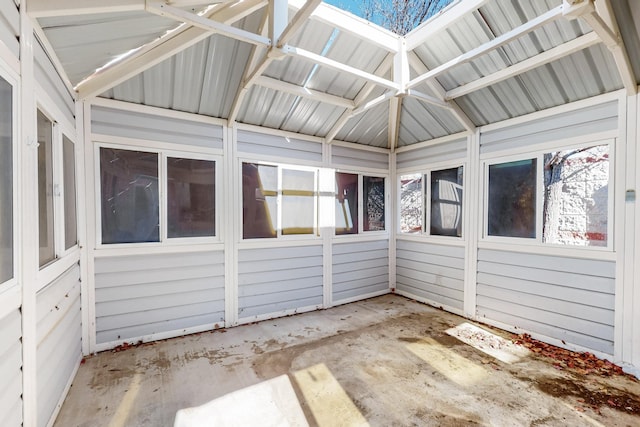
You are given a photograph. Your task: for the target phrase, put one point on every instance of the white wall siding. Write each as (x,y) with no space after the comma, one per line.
(47,77)
(584,121)
(11,369)
(141,295)
(432,154)
(151,127)
(353,157)
(273,280)
(262,144)
(59,340)
(360,269)
(431,272)
(9,25)
(567,299)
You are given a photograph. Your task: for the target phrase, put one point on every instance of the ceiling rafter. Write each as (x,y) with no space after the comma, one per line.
(499,41)
(303,92)
(545,57)
(162,48)
(360,99)
(437,88)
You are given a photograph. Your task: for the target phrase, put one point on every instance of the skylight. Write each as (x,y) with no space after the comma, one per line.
(399,16)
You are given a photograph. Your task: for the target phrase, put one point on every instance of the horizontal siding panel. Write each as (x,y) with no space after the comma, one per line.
(359,158)
(564,298)
(11,369)
(163,288)
(568,336)
(432,154)
(589,267)
(360,269)
(9,28)
(213,320)
(431,271)
(48,78)
(280,146)
(159,293)
(597,118)
(587,297)
(272,280)
(151,127)
(59,333)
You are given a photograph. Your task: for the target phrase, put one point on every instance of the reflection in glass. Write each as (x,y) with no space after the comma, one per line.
(129,195)
(70,214)
(512,199)
(298,201)
(446,202)
(259,197)
(411,203)
(576,196)
(373,188)
(45,190)
(190,197)
(6,181)
(346,203)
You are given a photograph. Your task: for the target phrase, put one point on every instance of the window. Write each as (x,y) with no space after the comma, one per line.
(352,191)
(346,203)
(133,206)
(190,197)
(69,180)
(45,190)
(512,199)
(6,182)
(446,202)
(278,201)
(431,203)
(130,196)
(573,187)
(373,189)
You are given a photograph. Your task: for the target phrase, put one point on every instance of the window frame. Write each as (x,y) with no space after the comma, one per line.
(538,154)
(425,213)
(279,235)
(361,232)
(15,172)
(163,154)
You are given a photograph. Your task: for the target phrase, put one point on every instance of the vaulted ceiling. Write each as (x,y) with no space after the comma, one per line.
(311,68)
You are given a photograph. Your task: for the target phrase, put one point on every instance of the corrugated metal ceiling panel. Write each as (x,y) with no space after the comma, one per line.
(370,127)
(628,16)
(420,121)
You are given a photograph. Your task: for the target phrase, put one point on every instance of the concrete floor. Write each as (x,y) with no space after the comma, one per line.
(386,361)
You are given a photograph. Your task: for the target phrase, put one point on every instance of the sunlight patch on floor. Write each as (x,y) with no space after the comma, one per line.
(126,404)
(450,364)
(491,344)
(271,403)
(327,400)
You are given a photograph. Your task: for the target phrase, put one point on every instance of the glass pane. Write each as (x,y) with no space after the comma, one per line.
(259,200)
(512,199)
(45,190)
(129,196)
(446,202)
(411,203)
(69,170)
(346,203)
(373,214)
(191,197)
(6,181)
(576,196)
(298,202)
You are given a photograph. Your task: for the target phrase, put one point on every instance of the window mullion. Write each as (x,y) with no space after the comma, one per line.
(163,202)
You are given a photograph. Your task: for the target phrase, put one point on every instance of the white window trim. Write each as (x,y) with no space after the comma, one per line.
(425,232)
(361,233)
(279,236)
(538,154)
(164,241)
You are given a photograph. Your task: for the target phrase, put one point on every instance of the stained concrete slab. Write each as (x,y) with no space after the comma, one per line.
(387,361)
